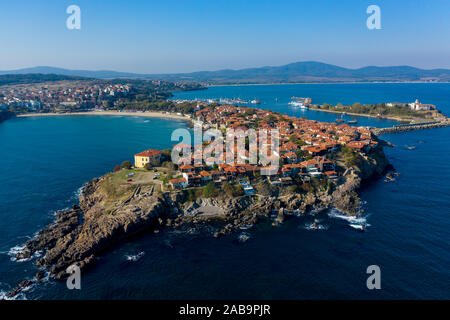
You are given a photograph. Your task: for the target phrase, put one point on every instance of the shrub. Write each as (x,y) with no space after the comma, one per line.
(210,189)
(148,166)
(169,165)
(238,190)
(351,157)
(125,165)
(166,179)
(191,195)
(116,168)
(227,188)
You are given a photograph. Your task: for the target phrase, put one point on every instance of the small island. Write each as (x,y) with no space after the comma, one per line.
(322,165)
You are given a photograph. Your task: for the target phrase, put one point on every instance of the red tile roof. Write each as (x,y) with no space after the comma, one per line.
(149,153)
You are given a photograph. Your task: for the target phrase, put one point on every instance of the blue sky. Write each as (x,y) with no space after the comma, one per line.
(191,35)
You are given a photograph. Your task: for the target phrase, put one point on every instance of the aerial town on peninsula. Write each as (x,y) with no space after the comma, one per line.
(307,149)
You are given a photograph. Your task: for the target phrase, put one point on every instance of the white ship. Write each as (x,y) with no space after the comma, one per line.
(298,104)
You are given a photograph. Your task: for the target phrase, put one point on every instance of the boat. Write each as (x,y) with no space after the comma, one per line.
(352,121)
(256,101)
(298,104)
(339,120)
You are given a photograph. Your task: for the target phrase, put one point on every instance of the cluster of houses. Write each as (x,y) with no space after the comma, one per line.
(36,98)
(303,152)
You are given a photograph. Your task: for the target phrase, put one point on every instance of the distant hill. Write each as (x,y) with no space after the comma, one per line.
(35,78)
(313,72)
(309,71)
(101,74)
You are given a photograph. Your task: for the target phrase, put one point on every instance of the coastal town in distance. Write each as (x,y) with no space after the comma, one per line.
(224,159)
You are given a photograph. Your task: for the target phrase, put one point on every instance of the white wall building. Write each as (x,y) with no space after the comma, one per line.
(417,106)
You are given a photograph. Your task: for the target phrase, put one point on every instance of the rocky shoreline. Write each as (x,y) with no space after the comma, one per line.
(86,230)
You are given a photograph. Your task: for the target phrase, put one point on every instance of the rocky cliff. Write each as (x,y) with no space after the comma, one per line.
(79,234)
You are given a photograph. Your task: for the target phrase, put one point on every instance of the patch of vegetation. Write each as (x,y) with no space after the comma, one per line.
(115,191)
(264,188)
(351,157)
(375,109)
(210,190)
(233,190)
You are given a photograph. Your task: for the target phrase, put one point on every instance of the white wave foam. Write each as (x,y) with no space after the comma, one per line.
(358,226)
(17,249)
(351,219)
(354,222)
(14,251)
(77,193)
(20,296)
(135,257)
(311,226)
(244,236)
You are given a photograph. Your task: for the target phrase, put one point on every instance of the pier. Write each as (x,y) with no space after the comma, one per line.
(410,127)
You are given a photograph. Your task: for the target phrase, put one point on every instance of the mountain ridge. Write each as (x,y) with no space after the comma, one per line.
(305,71)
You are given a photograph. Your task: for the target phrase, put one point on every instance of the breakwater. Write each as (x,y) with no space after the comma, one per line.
(409,127)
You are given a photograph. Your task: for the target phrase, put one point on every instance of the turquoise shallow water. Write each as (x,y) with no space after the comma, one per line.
(45,160)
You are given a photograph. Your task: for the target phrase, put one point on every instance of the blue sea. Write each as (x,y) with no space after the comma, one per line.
(45,160)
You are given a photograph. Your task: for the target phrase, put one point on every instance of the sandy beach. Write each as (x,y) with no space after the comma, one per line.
(147,114)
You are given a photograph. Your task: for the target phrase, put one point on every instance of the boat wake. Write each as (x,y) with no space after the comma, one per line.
(135,257)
